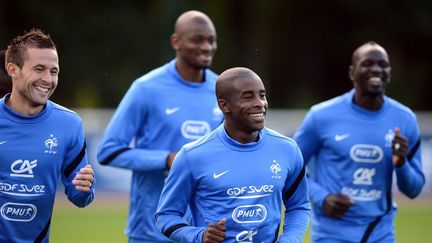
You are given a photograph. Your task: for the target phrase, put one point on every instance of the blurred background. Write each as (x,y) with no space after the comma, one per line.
(300,48)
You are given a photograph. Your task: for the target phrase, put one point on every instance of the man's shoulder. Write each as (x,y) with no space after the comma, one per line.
(329,104)
(201,142)
(398,106)
(278,137)
(63,112)
(159,73)
(211,75)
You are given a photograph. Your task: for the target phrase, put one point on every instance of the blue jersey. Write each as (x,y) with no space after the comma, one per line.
(246,184)
(353,156)
(159,113)
(35,152)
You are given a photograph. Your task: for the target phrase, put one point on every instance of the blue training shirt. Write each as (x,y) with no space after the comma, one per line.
(245,184)
(160,112)
(353,156)
(35,152)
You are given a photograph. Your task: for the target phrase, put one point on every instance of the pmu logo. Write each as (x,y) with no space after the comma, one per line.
(245,236)
(23,168)
(194,129)
(18,212)
(50,145)
(366,153)
(246,214)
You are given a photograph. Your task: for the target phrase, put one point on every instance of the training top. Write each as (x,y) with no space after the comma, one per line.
(159,113)
(35,152)
(245,184)
(352,150)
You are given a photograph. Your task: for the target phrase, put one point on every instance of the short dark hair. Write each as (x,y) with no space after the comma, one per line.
(17,48)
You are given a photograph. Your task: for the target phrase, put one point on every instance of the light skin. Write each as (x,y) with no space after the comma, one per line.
(194,41)
(370,74)
(32,85)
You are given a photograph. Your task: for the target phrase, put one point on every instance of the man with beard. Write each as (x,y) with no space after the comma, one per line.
(163,110)
(41,142)
(359,139)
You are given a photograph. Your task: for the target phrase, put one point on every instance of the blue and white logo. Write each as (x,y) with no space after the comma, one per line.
(366,153)
(23,168)
(250,214)
(194,129)
(389,138)
(20,212)
(245,236)
(50,145)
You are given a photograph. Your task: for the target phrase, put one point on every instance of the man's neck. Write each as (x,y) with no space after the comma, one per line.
(369,103)
(23,108)
(190,74)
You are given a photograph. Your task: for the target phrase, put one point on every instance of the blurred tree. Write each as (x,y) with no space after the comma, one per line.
(301,48)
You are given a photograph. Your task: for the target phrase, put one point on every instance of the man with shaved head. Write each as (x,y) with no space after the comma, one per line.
(360,140)
(163,110)
(236,179)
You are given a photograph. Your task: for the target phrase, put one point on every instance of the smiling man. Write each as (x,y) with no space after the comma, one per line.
(358,140)
(35,148)
(237,178)
(163,110)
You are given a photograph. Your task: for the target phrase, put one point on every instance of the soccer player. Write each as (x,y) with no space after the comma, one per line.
(236,178)
(359,139)
(162,110)
(5,79)
(40,143)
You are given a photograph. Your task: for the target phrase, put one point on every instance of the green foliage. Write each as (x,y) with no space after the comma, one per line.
(301,45)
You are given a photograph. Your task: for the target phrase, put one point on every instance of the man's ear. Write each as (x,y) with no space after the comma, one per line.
(351,73)
(223,106)
(175,41)
(12,70)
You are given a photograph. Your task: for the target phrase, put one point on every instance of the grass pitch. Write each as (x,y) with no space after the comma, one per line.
(104,221)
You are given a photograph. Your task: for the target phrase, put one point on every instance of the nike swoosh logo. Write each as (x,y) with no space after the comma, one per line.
(341,137)
(170,111)
(2,142)
(215,176)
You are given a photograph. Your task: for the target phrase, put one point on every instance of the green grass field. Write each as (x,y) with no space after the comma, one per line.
(104,221)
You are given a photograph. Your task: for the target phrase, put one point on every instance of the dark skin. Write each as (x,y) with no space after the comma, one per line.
(241,97)
(215,233)
(194,40)
(370,74)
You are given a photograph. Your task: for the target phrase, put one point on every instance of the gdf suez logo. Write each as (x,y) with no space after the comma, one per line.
(23,168)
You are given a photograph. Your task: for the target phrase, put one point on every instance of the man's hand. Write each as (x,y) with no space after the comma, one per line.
(335,205)
(400,148)
(84,179)
(170,159)
(215,233)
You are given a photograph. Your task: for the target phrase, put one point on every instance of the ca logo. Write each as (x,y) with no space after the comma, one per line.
(245,236)
(23,168)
